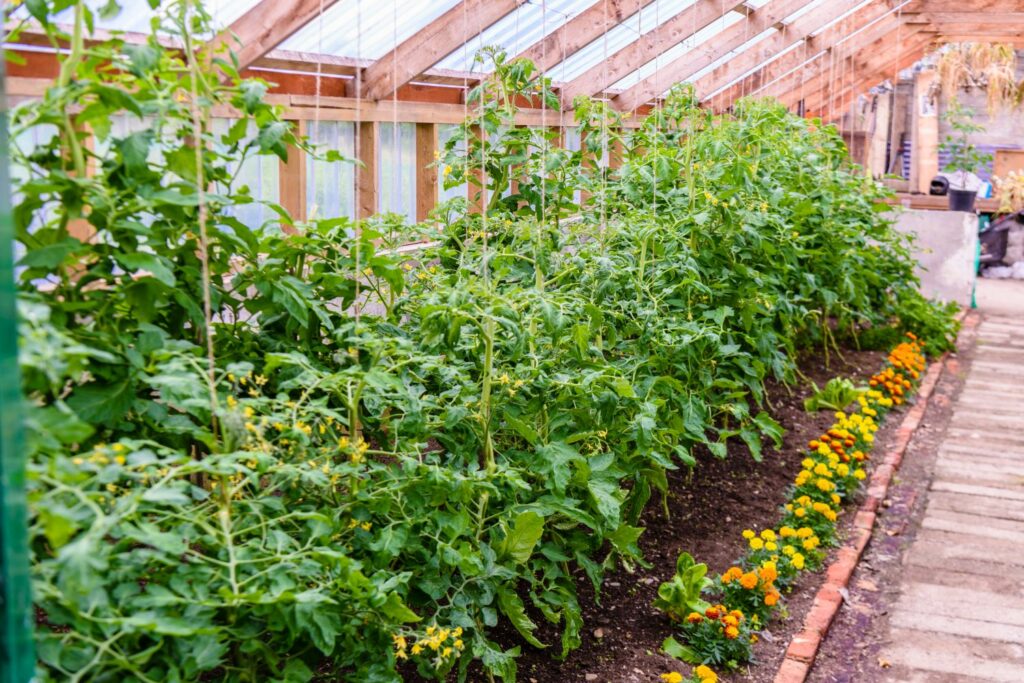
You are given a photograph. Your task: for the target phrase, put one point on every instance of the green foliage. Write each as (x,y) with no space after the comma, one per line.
(963,156)
(261,452)
(837,393)
(681,594)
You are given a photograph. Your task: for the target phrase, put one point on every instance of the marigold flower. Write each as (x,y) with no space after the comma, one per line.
(749,580)
(672,677)
(705,674)
(771,598)
(748,534)
(694,617)
(731,632)
(756,543)
(730,620)
(712,613)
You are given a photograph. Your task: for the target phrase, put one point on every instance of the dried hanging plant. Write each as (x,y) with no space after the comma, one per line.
(991,66)
(1010,191)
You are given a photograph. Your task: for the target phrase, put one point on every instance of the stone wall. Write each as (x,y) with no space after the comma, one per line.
(946,248)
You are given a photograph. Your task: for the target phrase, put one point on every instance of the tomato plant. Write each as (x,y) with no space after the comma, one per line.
(267,452)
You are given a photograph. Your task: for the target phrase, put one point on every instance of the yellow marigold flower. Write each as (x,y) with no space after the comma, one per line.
(798,561)
(807,463)
(799,512)
(672,677)
(748,534)
(756,543)
(787,531)
(859,474)
(705,674)
(788,550)
(768,535)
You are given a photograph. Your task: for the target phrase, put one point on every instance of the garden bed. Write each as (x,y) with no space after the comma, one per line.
(623,634)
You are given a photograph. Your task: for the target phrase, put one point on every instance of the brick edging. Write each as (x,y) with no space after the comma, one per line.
(802,650)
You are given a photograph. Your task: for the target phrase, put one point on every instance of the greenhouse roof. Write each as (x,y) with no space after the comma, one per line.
(630,51)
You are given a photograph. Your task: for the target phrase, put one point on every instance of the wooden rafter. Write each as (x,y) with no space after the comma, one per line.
(840,59)
(755,23)
(867,62)
(647,47)
(876,73)
(580,31)
(433,43)
(766,53)
(268,24)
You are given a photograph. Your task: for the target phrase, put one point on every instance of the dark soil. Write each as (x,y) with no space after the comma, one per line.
(622,634)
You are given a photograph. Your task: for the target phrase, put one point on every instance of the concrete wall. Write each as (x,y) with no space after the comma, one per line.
(946,245)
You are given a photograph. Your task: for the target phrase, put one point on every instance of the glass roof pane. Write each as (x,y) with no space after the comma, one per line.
(135,15)
(366,29)
(670,55)
(617,38)
(517,31)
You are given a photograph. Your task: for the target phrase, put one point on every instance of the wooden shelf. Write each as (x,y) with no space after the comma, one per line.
(939,203)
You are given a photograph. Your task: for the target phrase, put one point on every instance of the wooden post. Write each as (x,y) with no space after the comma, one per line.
(292,181)
(426,172)
(925,158)
(367,143)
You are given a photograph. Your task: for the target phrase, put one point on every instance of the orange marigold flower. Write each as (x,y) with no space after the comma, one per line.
(749,580)
(694,617)
(732,633)
(712,613)
(772,598)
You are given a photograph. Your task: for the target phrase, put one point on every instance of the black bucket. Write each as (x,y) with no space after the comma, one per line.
(962,200)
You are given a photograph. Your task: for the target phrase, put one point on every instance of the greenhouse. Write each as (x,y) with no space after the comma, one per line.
(512,340)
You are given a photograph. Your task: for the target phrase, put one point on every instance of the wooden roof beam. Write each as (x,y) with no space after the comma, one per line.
(862,70)
(647,47)
(797,31)
(757,22)
(878,75)
(431,44)
(580,31)
(268,24)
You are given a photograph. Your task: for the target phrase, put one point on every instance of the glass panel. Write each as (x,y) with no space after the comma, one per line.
(516,32)
(446,132)
(136,15)
(331,186)
(397,169)
(366,29)
(260,174)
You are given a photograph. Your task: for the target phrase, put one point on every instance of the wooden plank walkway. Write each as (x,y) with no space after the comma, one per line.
(960,615)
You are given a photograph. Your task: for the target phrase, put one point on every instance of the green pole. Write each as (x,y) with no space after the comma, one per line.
(17,660)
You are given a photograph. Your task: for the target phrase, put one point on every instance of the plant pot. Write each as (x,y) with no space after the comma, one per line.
(962,200)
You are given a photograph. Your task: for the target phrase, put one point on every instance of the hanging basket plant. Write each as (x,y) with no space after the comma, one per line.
(991,67)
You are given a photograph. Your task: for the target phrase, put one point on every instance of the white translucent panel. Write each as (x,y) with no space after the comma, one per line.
(572,140)
(397,169)
(261,174)
(331,185)
(136,15)
(366,29)
(612,41)
(754,40)
(701,40)
(446,132)
(514,33)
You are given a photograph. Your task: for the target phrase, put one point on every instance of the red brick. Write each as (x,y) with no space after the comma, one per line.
(821,615)
(861,539)
(872,501)
(804,646)
(864,519)
(839,572)
(792,671)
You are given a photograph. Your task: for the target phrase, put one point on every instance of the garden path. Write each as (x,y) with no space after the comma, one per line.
(960,615)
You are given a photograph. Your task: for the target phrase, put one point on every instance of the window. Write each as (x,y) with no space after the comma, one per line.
(260,174)
(397,169)
(330,186)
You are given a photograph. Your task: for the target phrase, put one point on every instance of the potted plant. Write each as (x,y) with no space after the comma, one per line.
(964,158)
